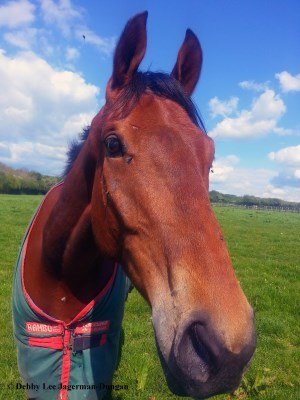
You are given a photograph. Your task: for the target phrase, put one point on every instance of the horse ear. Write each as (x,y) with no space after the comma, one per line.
(130,50)
(189,62)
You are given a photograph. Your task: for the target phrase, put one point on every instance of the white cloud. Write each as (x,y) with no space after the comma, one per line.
(72,53)
(4,151)
(45,46)
(288,82)
(288,155)
(290,194)
(259,120)
(16,13)
(34,156)
(286,131)
(289,158)
(223,108)
(41,106)
(252,85)
(232,179)
(222,167)
(268,106)
(32,39)
(61,13)
(23,39)
(275,192)
(288,177)
(229,177)
(69,19)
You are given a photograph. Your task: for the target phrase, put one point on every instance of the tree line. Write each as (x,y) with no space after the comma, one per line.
(251,201)
(20,181)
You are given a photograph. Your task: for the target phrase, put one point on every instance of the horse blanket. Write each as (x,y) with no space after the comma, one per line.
(74,361)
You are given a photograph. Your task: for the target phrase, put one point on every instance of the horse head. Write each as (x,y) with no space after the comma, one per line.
(149,202)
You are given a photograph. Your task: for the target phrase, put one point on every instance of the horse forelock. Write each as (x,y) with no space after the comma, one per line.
(157,83)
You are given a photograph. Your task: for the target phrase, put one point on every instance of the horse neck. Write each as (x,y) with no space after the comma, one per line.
(68,240)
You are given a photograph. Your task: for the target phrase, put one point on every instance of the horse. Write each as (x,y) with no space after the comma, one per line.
(134,200)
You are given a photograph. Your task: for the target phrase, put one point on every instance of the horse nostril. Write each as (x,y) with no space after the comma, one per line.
(201,359)
(195,334)
(194,354)
(205,345)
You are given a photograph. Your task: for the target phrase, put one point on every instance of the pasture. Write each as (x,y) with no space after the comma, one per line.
(265,250)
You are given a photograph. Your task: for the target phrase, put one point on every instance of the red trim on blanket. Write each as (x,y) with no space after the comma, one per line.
(55,343)
(66,366)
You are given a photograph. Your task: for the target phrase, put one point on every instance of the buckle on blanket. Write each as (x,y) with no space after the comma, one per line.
(79,343)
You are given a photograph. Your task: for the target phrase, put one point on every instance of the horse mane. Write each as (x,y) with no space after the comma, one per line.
(158,83)
(74,150)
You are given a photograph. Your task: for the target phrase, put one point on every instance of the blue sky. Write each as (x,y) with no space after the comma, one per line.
(53,81)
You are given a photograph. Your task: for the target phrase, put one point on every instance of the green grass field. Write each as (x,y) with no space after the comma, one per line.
(265,251)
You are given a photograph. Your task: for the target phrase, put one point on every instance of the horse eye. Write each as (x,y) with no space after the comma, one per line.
(114,147)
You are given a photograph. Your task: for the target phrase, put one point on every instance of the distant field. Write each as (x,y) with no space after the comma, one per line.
(265,251)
